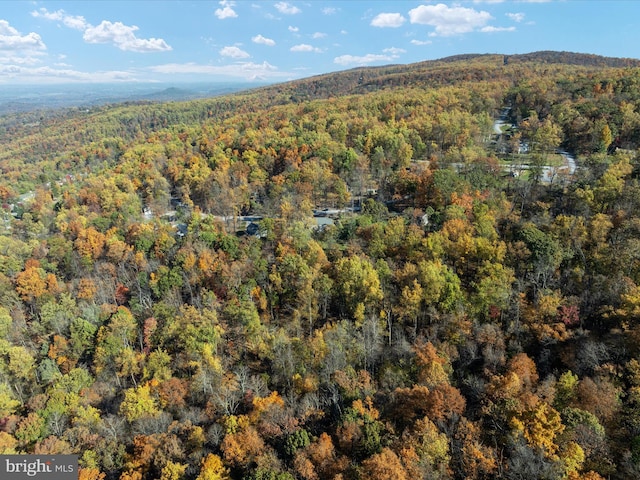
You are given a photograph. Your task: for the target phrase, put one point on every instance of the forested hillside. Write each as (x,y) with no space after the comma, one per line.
(423,271)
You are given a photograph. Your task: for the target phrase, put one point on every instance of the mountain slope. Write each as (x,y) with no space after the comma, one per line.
(378,282)
(27,138)
(449,70)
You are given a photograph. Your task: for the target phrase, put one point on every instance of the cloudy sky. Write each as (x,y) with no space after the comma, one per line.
(198,40)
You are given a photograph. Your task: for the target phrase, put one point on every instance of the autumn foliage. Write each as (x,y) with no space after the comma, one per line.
(347,277)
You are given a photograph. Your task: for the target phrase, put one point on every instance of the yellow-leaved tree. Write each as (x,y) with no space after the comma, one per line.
(213,469)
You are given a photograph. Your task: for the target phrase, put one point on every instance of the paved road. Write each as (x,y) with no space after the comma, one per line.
(549,172)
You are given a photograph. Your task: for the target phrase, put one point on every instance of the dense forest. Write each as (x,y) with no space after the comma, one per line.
(421,271)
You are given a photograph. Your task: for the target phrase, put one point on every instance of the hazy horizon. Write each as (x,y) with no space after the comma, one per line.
(24,98)
(52,41)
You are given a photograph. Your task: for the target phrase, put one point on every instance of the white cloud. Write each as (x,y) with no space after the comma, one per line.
(286,8)
(516,17)
(317,35)
(392,20)
(72,21)
(226,11)
(263,40)
(42,75)
(246,70)
(30,41)
(120,35)
(234,52)
(421,42)
(6,29)
(123,37)
(329,11)
(361,60)
(76,22)
(491,29)
(11,39)
(61,75)
(303,47)
(449,21)
(18,60)
(389,55)
(293,29)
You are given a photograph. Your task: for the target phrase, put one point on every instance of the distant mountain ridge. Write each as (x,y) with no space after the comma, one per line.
(182,94)
(434,72)
(25,98)
(549,57)
(571,58)
(16,99)
(29,117)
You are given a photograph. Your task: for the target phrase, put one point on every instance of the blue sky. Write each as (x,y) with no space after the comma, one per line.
(197,40)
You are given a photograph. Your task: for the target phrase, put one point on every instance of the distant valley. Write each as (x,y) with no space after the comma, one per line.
(28,98)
